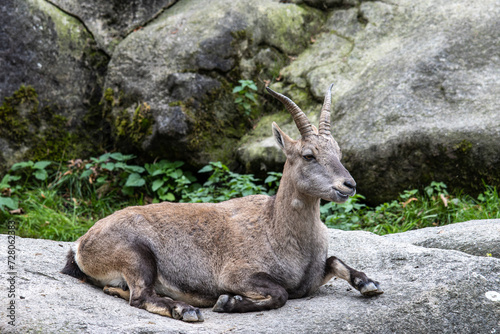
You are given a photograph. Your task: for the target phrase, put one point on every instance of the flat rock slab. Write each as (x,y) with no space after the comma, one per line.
(427,290)
(476,237)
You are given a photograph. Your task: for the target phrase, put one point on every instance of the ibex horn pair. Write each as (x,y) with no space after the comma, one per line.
(300,118)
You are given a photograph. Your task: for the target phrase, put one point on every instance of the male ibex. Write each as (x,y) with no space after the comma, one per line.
(242,255)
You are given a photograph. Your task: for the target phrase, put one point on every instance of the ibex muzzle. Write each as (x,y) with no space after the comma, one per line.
(246,254)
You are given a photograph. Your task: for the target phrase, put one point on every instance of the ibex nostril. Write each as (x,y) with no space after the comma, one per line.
(350,184)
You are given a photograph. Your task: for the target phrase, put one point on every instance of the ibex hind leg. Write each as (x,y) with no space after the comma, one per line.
(117,292)
(259,292)
(359,280)
(147,299)
(140,274)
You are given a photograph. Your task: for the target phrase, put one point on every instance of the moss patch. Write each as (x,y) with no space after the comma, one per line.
(35,133)
(54,141)
(136,128)
(129,129)
(464,146)
(216,128)
(286,24)
(16,113)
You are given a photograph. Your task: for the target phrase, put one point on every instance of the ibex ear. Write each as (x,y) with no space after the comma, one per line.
(281,138)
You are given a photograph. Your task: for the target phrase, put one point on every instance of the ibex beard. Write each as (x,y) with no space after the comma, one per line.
(243,255)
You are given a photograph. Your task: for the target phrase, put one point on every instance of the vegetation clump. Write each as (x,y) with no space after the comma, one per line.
(413,209)
(246,98)
(136,128)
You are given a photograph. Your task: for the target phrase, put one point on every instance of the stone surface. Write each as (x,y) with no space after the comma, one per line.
(184,64)
(54,53)
(477,237)
(111,21)
(427,290)
(42,47)
(416,86)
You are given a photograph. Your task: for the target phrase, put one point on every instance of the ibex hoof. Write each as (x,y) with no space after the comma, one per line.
(371,289)
(226,303)
(221,303)
(188,314)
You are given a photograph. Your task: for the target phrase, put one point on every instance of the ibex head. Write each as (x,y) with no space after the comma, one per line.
(314,159)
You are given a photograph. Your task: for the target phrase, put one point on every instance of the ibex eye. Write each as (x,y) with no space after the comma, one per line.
(309,157)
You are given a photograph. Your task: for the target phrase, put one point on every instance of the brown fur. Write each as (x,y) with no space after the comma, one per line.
(246,254)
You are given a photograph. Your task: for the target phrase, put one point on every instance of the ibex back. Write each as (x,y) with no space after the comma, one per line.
(242,255)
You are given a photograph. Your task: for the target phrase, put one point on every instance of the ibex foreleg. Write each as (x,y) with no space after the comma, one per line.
(358,279)
(257,293)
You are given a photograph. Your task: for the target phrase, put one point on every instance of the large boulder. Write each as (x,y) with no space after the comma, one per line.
(111,21)
(52,52)
(427,290)
(416,92)
(182,66)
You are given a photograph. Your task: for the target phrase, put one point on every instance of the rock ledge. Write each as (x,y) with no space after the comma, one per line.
(427,290)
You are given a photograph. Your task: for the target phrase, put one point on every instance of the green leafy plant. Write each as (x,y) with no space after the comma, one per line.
(168,182)
(114,165)
(343,216)
(223,185)
(273,182)
(30,168)
(436,189)
(111,170)
(246,98)
(61,201)
(414,209)
(7,201)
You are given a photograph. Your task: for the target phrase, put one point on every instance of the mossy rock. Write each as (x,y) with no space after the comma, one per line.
(185,64)
(110,21)
(30,132)
(406,113)
(54,53)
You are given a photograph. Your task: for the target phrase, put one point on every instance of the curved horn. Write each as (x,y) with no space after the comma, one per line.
(303,124)
(324,119)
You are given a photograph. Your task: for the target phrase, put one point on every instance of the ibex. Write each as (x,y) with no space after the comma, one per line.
(242,255)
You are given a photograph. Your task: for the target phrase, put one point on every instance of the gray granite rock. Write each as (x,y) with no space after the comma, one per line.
(427,290)
(415,95)
(186,61)
(476,237)
(111,21)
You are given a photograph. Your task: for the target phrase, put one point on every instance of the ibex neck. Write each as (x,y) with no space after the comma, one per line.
(294,213)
